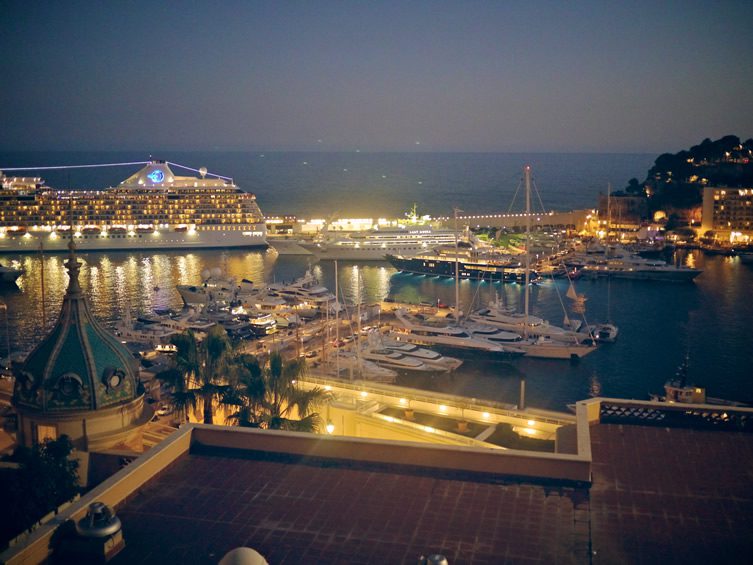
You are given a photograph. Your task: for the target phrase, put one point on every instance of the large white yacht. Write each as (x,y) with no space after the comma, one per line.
(617,262)
(306,290)
(375,244)
(395,360)
(430,332)
(508,319)
(427,356)
(151,209)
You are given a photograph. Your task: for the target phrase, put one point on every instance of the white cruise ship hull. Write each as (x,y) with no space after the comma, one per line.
(247,236)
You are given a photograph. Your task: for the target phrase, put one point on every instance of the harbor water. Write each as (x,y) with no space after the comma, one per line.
(709,320)
(660,323)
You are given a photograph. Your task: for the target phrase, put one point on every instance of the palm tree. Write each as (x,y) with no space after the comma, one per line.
(266,396)
(203,371)
(182,396)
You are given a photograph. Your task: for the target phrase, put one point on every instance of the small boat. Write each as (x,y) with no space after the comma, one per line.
(677,390)
(262,324)
(16,231)
(604,333)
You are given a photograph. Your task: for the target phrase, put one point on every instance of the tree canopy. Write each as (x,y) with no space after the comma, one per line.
(677,180)
(209,374)
(267,395)
(45,479)
(201,376)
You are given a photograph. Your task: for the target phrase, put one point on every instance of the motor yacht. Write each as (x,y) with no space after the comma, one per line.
(375,244)
(394,360)
(306,290)
(617,262)
(351,366)
(508,319)
(215,286)
(437,332)
(432,358)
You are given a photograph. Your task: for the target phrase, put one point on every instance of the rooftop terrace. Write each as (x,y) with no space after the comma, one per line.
(658,493)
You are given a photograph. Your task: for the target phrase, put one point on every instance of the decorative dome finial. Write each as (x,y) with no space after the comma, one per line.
(73,266)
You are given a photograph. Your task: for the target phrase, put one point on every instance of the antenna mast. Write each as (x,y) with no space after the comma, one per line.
(527,174)
(457,270)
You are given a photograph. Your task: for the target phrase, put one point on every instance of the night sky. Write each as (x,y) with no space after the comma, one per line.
(375,76)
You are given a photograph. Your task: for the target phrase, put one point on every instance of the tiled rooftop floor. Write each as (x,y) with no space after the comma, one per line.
(664,495)
(658,496)
(205,505)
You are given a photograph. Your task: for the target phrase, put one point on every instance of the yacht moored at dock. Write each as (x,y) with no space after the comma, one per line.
(376,244)
(470,265)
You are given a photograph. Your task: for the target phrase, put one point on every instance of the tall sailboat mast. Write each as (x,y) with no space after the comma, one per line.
(457,271)
(337,323)
(609,210)
(527,176)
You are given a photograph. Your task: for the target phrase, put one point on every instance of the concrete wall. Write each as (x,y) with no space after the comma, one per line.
(450,458)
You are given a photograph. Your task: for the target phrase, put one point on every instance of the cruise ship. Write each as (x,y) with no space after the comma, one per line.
(153,208)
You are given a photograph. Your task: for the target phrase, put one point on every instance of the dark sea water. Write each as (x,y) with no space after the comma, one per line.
(710,320)
(372,184)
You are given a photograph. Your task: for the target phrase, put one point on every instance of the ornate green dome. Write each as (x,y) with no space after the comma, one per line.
(79,365)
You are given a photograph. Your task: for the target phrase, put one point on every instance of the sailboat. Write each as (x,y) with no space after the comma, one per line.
(606,332)
(543,347)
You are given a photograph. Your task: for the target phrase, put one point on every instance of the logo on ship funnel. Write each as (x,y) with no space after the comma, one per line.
(156,176)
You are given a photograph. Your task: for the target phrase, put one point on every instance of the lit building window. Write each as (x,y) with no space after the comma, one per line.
(45,432)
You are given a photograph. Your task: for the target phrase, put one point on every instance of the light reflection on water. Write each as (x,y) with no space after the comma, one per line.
(659,323)
(116,281)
